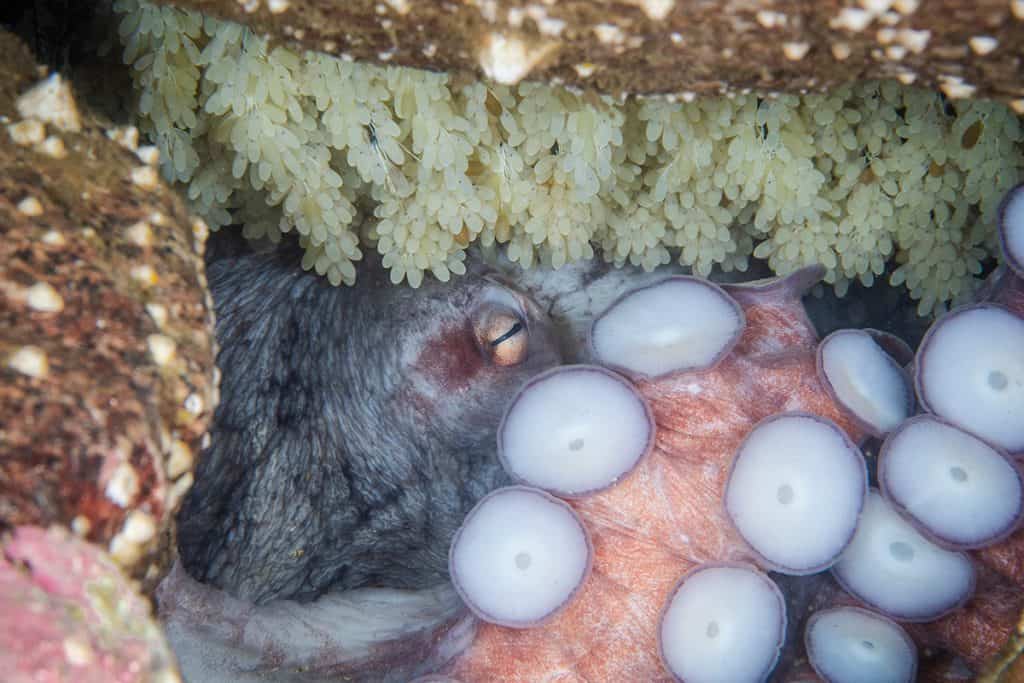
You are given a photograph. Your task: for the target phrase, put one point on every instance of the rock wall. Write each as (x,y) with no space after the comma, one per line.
(106,348)
(966,47)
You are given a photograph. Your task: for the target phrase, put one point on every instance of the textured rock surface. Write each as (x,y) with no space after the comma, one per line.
(106,356)
(970,48)
(69,614)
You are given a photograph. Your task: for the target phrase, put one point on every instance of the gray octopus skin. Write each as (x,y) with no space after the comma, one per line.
(355,430)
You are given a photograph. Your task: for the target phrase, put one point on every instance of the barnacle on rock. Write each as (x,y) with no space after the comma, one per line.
(853,179)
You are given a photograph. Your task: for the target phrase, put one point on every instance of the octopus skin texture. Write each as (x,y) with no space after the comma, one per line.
(354,426)
(356,429)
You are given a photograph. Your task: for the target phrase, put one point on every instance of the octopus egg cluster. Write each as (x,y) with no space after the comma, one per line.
(872,179)
(798,492)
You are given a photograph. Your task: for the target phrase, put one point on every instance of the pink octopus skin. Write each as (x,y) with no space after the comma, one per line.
(668,516)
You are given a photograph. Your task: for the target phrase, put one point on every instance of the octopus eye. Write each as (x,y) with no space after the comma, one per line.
(500,325)
(504,338)
(501,334)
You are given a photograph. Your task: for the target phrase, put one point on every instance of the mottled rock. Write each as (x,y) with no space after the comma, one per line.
(67,613)
(106,351)
(968,48)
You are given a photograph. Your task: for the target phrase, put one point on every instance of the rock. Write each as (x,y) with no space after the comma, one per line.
(69,614)
(106,349)
(968,48)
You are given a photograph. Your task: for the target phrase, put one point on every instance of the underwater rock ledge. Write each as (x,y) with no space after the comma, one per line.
(106,344)
(666,46)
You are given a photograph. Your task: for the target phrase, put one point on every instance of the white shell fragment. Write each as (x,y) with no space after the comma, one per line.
(795,492)
(508,59)
(853,645)
(970,371)
(681,323)
(519,557)
(51,101)
(1011,228)
(958,490)
(892,567)
(574,430)
(723,623)
(865,380)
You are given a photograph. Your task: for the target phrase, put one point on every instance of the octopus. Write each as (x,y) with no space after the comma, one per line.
(669,519)
(304,569)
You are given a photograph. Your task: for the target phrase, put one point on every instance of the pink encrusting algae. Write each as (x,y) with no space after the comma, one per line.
(70,614)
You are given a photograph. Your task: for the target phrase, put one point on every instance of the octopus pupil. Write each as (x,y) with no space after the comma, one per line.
(712,629)
(868,645)
(958,474)
(575,444)
(514,330)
